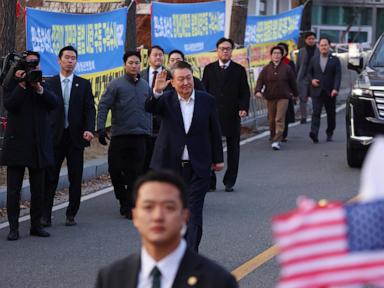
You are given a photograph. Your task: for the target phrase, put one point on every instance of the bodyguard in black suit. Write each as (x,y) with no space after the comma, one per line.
(189,140)
(159,215)
(324,74)
(73,124)
(227,82)
(27,144)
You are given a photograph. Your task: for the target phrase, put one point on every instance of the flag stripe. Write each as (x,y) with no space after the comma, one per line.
(333,261)
(320,215)
(312,236)
(337,278)
(314,250)
(311,226)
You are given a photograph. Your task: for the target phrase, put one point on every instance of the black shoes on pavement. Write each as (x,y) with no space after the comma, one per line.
(13,235)
(38,231)
(329,138)
(228,188)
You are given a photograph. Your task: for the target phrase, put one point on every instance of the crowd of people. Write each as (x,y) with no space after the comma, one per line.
(162,119)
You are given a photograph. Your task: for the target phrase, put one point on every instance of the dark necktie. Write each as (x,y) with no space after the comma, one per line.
(154,79)
(156,275)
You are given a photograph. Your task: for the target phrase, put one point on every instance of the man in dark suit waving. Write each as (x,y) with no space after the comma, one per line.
(159,215)
(73,124)
(189,140)
(227,82)
(324,74)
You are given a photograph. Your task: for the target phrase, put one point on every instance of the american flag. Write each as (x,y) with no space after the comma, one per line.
(331,245)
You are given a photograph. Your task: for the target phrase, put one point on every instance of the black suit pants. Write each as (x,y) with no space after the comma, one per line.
(233,154)
(15,176)
(75,160)
(330,108)
(150,145)
(197,188)
(126,158)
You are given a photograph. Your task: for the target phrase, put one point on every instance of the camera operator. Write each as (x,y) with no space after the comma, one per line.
(27,141)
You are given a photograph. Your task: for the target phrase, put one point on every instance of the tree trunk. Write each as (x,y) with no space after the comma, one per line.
(238,21)
(306,18)
(130,35)
(7,26)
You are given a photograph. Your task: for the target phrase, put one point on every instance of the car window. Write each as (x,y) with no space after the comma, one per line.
(377,59)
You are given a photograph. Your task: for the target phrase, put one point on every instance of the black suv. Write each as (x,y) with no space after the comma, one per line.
(365,105)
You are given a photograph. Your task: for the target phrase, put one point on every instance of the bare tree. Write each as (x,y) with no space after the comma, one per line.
(238,21)
(306,18)
(7,26)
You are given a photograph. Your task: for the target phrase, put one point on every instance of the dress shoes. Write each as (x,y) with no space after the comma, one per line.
(228,188)
(303,121)
(313,137)
(38,231)
(45,222)
(329,138)
(13,235)
(70,221)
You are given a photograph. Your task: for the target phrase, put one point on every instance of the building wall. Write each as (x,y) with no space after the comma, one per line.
(333,18)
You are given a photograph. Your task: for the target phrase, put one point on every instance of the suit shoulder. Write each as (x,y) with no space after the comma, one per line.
(212,268)
(120,266)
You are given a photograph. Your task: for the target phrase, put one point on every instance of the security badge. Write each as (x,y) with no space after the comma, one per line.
(192,280)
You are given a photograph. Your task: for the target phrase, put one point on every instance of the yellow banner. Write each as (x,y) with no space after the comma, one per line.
(85,1)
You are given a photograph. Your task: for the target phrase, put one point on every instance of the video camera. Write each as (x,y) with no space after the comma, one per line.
(18,61)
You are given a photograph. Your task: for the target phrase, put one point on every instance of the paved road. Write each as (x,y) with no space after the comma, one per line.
(236,228)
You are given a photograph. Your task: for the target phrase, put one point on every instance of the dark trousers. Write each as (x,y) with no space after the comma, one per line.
(126,156)
(330,108)
(75,160)
(197,188)
(233,154)
(15,176)
(150,145)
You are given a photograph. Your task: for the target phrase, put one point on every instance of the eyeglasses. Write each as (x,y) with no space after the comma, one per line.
(226,49)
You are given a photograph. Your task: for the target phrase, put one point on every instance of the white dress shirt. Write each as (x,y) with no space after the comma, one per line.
(150,75)
(168,267)
(224,64)
(187,107)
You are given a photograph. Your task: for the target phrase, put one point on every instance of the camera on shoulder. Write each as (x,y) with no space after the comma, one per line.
(26,61)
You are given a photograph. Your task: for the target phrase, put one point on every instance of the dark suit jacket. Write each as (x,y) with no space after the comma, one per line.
(145,75)
(81,113)
(329,79)
(203,139)
(231,91)
(28,140)
(124,273)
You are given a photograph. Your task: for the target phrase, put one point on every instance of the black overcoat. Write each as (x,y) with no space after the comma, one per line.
(28,138)
(231,91)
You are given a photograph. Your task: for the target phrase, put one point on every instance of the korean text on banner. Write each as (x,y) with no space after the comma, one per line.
(98,38)
(189,28)
(283,26)
(331,246)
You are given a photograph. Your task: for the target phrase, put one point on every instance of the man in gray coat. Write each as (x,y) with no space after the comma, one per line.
(130,127)
(303,59)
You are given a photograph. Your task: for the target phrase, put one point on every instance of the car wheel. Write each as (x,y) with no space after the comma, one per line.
(355,154)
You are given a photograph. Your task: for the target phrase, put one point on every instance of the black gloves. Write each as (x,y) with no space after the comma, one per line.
(103,136)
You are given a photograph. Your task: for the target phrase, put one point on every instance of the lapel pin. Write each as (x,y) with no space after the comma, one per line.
(192,280)
(77,84)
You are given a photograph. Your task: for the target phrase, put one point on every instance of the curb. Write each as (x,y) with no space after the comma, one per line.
(92,169)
